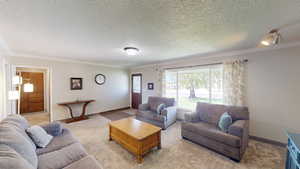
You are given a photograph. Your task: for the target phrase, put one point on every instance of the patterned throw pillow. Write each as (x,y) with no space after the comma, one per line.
(160,108)
(224,122)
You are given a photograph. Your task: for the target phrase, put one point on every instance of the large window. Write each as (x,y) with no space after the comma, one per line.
(197,84)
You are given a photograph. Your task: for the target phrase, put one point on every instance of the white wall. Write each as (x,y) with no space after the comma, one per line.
(113,94)
(2,87)
(273,89)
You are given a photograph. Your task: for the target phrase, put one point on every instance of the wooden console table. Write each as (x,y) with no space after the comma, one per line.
(82,116)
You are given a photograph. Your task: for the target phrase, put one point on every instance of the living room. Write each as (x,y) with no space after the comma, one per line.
(149,84)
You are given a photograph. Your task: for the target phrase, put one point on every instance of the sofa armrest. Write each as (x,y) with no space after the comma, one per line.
(53,129)
(144,107)
(191,117)
(170,112)
(239,128)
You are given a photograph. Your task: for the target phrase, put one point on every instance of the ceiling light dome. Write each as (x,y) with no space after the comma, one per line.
(131,51)
(272,38)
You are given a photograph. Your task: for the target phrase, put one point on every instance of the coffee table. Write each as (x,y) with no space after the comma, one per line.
(136,136)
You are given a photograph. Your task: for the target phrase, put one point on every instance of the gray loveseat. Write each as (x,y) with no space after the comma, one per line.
(17,151)
(201,127)
(147,112)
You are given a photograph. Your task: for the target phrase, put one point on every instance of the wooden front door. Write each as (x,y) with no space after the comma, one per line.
(32,101)
(136,90)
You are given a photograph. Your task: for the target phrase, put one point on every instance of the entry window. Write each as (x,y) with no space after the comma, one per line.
(136,84)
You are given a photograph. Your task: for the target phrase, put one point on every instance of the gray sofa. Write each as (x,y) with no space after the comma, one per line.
(17,150)
(201,127)
(147,112)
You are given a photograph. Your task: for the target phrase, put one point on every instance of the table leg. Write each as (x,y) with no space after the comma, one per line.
(70,110)
(84,109)
(110,139)
(159,138)
(139,159)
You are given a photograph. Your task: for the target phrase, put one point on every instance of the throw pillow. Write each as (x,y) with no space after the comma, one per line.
(224,122)
(39,136)
(160,108)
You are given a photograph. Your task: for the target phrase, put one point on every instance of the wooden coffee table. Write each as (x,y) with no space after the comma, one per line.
(136,136)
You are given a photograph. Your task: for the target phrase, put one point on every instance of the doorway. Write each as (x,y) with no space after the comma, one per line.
(33,103)
(136,90)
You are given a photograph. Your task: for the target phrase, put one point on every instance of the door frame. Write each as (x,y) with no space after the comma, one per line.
(47,87)
(141,93)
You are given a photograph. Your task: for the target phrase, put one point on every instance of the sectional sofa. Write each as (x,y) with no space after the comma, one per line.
(17,151)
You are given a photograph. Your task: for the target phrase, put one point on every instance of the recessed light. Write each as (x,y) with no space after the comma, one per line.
(131,51)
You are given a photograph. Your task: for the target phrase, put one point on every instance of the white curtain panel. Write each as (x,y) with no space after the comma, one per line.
(162,81)
(234,82)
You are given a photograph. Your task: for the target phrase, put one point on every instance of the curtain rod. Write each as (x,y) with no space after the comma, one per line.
(210,64)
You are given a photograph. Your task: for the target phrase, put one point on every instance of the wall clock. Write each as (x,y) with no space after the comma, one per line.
(100,79)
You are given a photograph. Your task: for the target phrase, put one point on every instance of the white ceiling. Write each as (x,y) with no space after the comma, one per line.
(98,30)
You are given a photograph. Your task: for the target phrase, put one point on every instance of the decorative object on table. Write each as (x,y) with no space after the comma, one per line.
(82,116)
(293,151)
(138,139)
(150,86)
(76,83)
(100,79)
(39,136)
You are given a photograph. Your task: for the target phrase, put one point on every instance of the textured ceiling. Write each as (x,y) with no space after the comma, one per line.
(98,30)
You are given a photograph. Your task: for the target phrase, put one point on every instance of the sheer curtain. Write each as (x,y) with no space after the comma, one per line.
(162,81)
(234,82)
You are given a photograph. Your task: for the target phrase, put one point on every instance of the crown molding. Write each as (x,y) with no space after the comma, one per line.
(220,55)
(77,61)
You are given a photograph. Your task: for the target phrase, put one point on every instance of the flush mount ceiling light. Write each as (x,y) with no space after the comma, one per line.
(131,51)
(272,38)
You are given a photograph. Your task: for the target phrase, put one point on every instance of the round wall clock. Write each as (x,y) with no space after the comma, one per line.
(100,79)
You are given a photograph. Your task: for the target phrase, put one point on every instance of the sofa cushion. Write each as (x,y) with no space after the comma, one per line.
(238,113)
(18,120)
(212,132)
(39,136)
(151,116)
(155,101)
(14,139)
(210,113)
(62,157)
(87,162)
(20,124)
(10,159)
(58,142)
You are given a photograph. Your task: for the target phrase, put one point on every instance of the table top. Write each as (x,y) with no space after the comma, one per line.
(135,128)
(76,102)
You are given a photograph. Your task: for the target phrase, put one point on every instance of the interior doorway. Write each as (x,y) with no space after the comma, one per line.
(34,95)
(136,90)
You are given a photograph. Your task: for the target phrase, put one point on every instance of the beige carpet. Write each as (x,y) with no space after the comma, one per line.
(176,153)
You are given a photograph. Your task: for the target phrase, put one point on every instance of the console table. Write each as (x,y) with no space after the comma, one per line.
(82,116)
(293,151)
